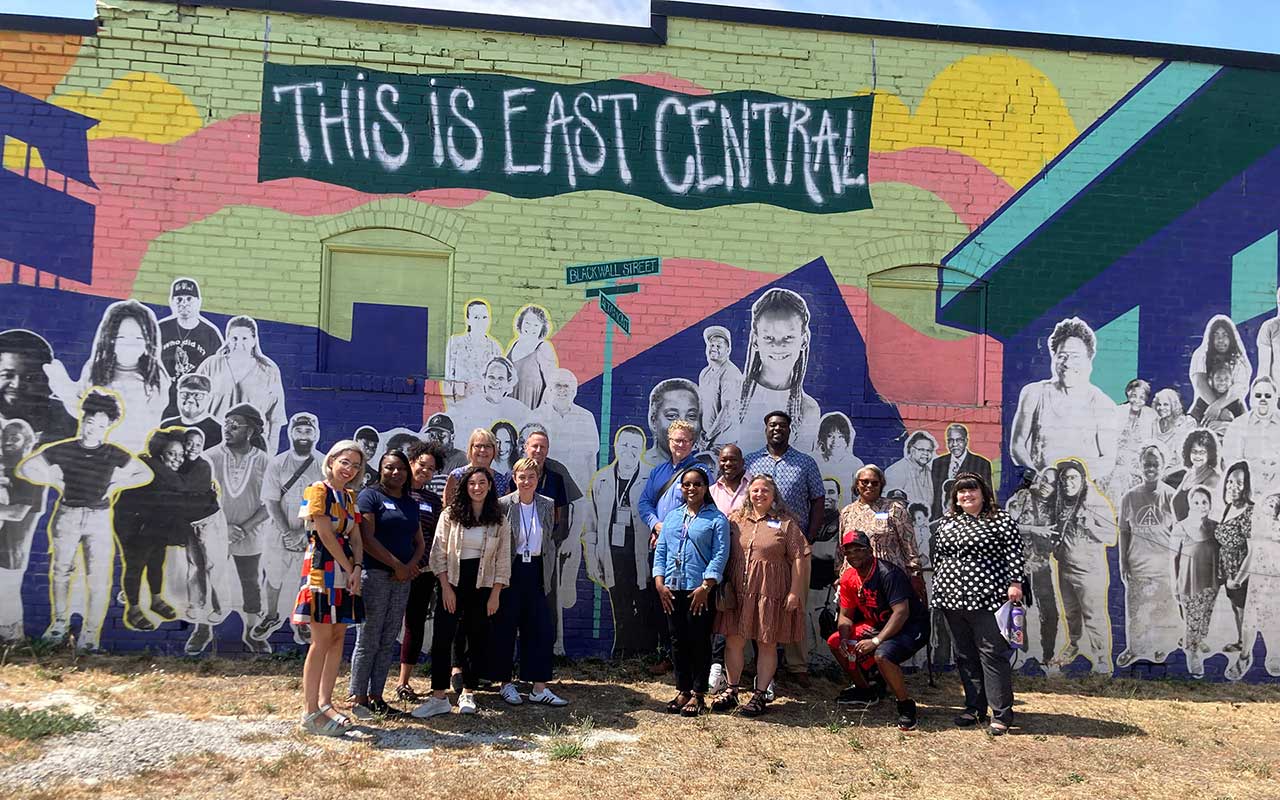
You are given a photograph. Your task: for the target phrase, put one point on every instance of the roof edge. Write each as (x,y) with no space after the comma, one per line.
(30,23)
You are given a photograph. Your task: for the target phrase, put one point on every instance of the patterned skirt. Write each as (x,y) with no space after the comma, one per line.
(324,597)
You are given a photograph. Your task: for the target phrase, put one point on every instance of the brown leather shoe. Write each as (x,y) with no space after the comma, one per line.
(661,668)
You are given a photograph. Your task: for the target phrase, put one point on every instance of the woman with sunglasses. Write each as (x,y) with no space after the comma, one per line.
(688,562)
(977,565)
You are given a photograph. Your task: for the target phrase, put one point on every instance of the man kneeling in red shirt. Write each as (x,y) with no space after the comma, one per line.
(882,624)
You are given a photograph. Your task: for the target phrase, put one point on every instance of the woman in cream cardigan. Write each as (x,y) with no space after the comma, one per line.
(471,557)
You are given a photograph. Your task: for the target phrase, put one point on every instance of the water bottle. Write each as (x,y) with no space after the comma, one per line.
(1018,627)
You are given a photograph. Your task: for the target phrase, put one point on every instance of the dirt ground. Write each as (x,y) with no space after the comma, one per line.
(1117,738)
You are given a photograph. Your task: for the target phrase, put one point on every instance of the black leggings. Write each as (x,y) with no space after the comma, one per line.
(470,620)
(691,642)
(142,547)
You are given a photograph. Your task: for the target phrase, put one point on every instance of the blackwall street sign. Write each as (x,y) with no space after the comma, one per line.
(392,133)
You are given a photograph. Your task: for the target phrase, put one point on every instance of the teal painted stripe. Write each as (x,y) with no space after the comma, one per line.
(1082,163)
(1253,278)
(1116,362)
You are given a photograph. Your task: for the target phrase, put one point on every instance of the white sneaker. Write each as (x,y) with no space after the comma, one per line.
(548,698)
(716,682)
(362,712)
(770,692)
(466,703)
(434,707)
(511,694)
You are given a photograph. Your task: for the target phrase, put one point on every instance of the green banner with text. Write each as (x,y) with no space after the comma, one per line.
(393,133)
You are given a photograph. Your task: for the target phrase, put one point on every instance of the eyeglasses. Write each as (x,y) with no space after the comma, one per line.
(481,446)
(868,481)
(346,462)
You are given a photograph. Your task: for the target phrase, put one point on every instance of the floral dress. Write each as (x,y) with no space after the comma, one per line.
(324,596)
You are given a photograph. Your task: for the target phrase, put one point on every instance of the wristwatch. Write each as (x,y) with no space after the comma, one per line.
(875,640)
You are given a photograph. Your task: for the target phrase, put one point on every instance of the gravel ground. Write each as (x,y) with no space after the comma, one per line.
(123,747)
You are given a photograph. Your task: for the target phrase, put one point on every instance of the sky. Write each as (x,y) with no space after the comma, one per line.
(1233,24)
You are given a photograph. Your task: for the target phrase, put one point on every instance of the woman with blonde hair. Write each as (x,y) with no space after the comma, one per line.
(329,599)
(765,579)
(482,449)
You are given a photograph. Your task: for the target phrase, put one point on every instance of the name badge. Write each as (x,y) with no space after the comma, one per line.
(882,515)
(618,535)
(773,523)
(526,557)
(389,506)
(424,508)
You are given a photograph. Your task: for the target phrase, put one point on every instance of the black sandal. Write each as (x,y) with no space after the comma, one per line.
(755,706)
(727,701)
(677,705)
(406,694)
(969,718)
(696,705)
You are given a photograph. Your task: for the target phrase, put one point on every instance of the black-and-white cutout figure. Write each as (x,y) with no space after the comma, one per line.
(570,425)
(777,360)
(239,467)
(1269,345)
(193,393)
(670,400)
(834,452)
(1220,372)
(616,543)
(1086,526)
(913,473)
(1260,575)
(368,437)
(468,354)
(239,373)
(492,403)
(957,459)
(212,585)
(1196,578)
(1255,437)
(20,510)
(439,428)
(24,387)
(1199,467)
(1032,506)
(1066,416)
(125,360)
(533,357)
(719,389)
(186,337)
(1146,546)
(1137,425)
(287,475)
(147,522)
(509,452)
(1172,424)
(87,473)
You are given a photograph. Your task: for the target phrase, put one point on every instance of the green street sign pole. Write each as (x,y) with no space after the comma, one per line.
(609,272)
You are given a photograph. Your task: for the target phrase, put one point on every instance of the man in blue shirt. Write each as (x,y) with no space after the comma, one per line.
(800,485)
(661,494)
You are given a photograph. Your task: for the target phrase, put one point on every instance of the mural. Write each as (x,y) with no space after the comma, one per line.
(165,393)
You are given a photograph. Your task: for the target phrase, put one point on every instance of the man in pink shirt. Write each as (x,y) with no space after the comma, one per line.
(729,491)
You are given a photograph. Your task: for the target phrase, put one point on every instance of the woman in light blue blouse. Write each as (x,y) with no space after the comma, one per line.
(689,561)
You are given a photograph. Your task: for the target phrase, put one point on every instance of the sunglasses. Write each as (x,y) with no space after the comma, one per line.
(692,484)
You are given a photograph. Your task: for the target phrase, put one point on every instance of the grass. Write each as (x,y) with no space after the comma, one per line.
(1124,738)
(25,725)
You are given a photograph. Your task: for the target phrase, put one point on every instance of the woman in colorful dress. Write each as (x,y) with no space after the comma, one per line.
(1232,534)
(329,599)
(767,554)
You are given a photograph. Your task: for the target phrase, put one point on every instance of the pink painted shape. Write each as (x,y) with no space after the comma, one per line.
(972,190)
(665,80)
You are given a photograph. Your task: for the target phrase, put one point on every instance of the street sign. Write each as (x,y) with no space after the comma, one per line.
(616,314)
(611,270)
(626,288)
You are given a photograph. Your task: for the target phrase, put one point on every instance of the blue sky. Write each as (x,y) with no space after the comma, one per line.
(1236,24)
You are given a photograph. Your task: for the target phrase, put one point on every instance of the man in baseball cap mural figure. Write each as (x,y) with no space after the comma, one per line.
(882,623)
(193,409)
(186,338)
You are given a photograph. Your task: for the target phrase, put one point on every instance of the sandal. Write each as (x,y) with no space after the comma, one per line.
(968,718)
(406,694)
(727,701)
(338,716)
(755,706)
(311,723)
(677,705)
(696,705)
(997,729)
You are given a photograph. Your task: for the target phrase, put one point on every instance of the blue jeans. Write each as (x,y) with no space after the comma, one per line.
(384,603)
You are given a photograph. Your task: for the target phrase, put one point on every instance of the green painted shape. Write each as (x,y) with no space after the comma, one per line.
(1253,277)
(1050,266)
(528,138)
(1078,167)
(1116,362)
(609,270)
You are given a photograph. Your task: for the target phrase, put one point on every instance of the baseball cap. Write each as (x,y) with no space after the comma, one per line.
(184,286)
(440,421)
(716,330)
(303,418)
(192,382)
(855,537)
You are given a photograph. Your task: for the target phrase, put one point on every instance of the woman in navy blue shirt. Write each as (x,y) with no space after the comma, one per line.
(689,561)
(393,551)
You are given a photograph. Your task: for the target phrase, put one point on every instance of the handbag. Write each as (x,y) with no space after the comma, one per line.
(827,618)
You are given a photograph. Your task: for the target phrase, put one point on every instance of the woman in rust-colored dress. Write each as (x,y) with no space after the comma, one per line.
(765,586)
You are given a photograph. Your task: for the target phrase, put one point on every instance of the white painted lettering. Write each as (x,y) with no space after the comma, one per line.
(767,109)
(660,145)
(591,167)
(389,162)
(619,143)
(304,144)
(477,155)
(509,110)
(732,146)
(557,118)
(697,122)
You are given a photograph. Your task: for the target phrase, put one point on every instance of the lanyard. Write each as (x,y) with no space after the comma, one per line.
(526,525)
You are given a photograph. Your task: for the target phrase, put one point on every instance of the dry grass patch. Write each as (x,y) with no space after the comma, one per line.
(1108,738)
